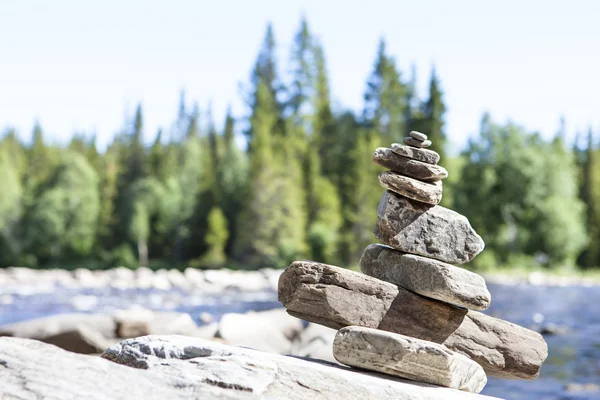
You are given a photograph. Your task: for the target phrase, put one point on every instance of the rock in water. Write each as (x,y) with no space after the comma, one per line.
(417,143)
(407,357)
(426,276)
(178,367)
(417,228)
(406,166)
(425,155)
(429,193)
(336,297)
(418,136)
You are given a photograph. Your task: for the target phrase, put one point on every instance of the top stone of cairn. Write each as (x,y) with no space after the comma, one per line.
(421,137)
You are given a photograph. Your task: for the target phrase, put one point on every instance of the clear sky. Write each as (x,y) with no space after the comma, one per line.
(82,65)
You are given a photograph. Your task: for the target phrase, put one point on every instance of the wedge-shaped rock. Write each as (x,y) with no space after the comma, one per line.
(425,155)
(406,357)
(434,232)
(406,166)
(426,276)
(336,297)
(430,193)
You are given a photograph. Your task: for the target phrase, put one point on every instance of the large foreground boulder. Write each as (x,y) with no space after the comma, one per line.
(430,231)
(336,297)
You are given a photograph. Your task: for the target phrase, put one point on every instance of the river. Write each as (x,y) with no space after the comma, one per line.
(572,370)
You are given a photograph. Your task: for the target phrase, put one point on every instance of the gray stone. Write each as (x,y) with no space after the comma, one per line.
(430,231)
(406,357)
(406,166)
(430,193)
(82,340)
(425,155)
(426,276)
(336,297)
(417,143)
(245,373)
(418,136)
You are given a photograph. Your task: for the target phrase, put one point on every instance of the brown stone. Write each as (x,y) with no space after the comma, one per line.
(336,297)
(429,193)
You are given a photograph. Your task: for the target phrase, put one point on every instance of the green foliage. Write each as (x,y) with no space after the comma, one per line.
(304,186)
(515,196)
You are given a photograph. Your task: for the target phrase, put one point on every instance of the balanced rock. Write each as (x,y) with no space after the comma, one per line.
(417,143)
(425,155)
(430,193)
(406,166)
(426,276)
(336,297)
(421,137)
(407,357)
(417,228)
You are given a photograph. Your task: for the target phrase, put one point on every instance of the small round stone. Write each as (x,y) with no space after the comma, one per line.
(421,137)
(415,143)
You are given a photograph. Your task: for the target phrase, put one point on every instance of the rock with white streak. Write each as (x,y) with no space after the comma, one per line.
(429,193)
(426,276)
(406,357)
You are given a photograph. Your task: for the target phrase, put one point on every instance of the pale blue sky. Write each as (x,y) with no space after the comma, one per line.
(82,65)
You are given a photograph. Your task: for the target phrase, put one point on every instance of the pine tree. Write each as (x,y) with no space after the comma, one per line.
(11,207)
(385,97)
(257,241)
(433,116)
(216,239)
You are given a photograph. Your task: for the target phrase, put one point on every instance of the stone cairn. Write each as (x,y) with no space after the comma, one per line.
(412,313)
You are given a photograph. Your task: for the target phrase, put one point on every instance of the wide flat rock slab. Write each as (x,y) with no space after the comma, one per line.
(425,155)
(430,231)
(406,357)
(429,193)
(336,297)
(426,276)
(406,166)
(254,374)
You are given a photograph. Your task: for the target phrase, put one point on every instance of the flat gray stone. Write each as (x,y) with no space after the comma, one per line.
(408,167)
(179,367)
(417,143)
(430,231)
(429,193)
(425,155)
(426,276)
(406,357)
(418,136)
(336,297)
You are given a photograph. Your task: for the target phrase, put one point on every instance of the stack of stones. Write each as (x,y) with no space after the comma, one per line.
(413,313)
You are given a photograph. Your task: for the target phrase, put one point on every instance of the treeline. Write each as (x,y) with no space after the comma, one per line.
(303,186)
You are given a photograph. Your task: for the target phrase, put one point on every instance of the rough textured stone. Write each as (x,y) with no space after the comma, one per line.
(425,155)
(406,166)
(245,373)
(408,358)
(418,228)
(430,193)
(426,276)
(336,297)
(418,136)
(417,143)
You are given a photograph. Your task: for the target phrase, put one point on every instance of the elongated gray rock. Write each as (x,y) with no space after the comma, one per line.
(418,228)
(406,166)
(426,276)
(425,155)
(406,357)
(418,136)
(429,193)
(179,367)
(336,297)
(417,143)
